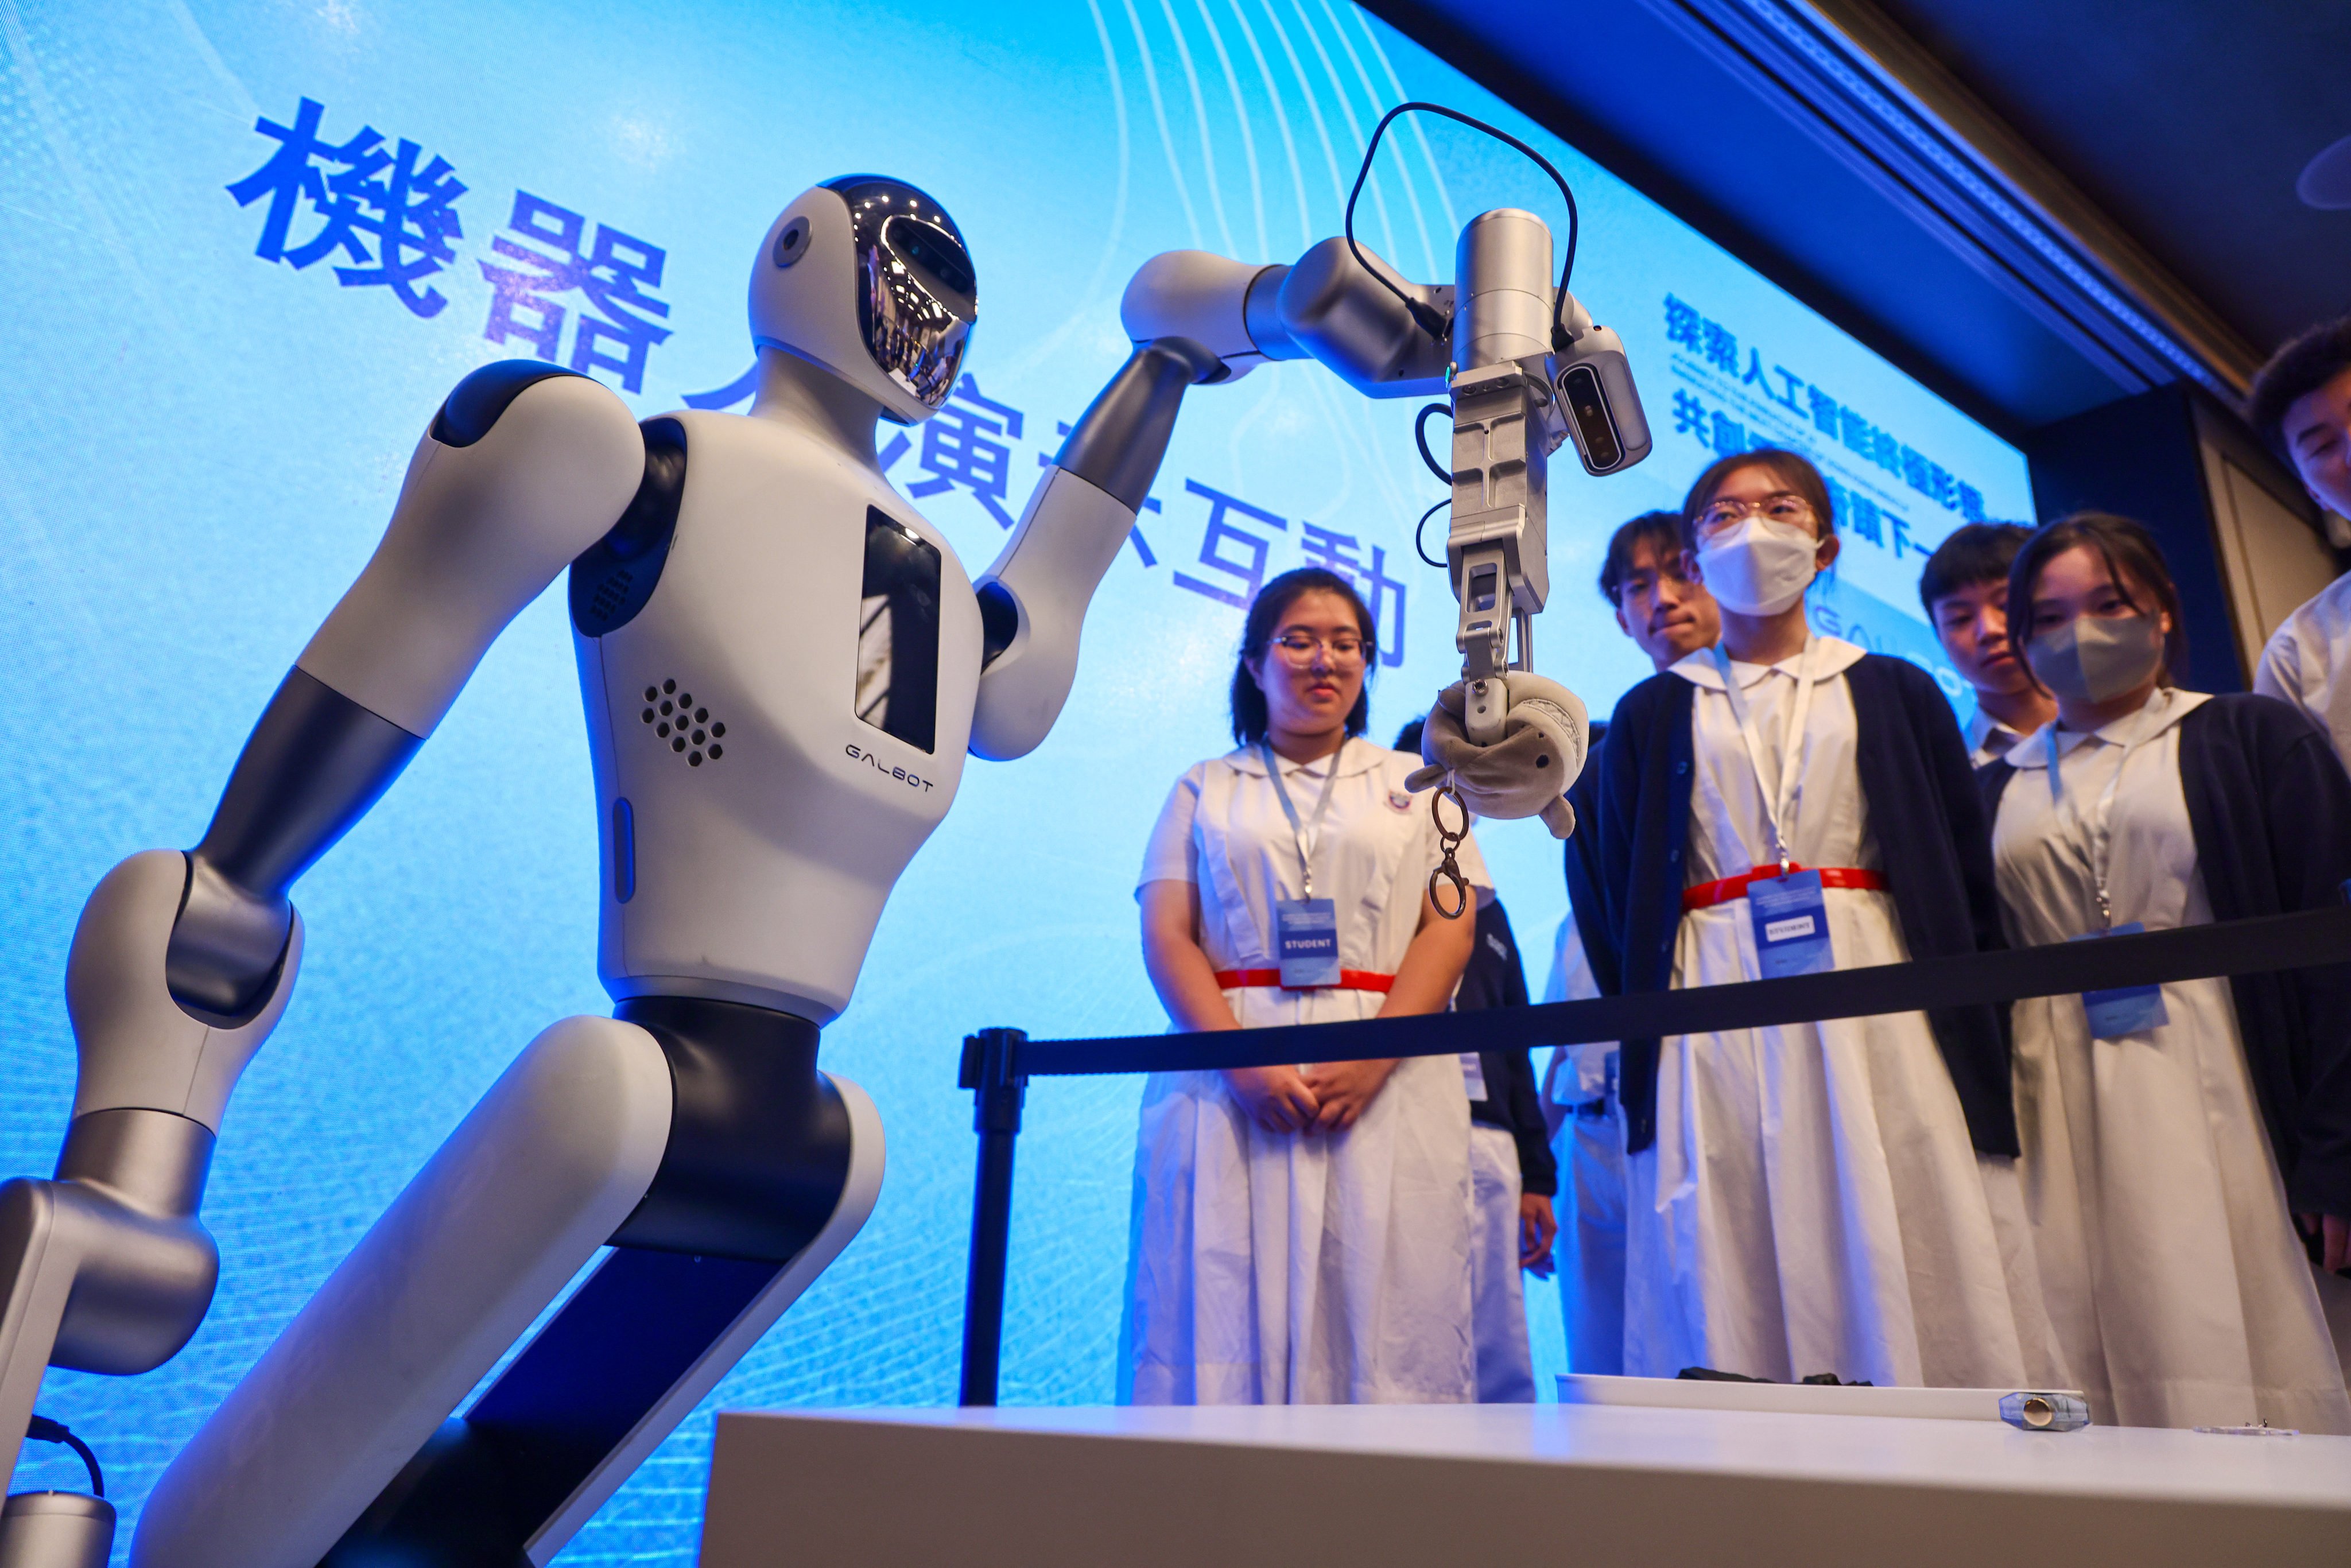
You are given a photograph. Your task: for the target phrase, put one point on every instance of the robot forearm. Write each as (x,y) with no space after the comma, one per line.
(1033,598)
(312,767)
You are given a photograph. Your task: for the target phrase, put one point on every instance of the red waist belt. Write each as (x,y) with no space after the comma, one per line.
(1349,980)
(1706,894)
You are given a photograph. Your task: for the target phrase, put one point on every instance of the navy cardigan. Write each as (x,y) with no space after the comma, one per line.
(1586,904)
(1934,844)
(2270,808)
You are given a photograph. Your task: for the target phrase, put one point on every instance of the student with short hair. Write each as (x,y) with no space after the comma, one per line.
(1965,591)
(1667,616)
(2172,1134)
(2301,404)
(1838,1197)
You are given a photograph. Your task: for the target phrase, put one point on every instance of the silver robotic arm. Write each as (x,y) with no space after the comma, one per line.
(183,963)
(1525,370)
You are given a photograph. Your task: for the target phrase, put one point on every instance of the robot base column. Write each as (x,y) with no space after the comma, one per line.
(56,1530)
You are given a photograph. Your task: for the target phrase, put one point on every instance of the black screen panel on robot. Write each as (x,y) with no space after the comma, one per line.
(898,632)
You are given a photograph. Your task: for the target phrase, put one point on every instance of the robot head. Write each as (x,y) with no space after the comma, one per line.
(868,278)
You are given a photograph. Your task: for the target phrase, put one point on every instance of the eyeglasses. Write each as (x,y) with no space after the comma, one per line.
(1783,507)
(1345,647)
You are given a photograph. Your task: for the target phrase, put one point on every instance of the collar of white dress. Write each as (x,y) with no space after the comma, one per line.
(1358,756)
(1982,727)
(2167,707)
(1835,657)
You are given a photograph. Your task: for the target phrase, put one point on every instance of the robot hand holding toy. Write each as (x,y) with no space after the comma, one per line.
(783,666)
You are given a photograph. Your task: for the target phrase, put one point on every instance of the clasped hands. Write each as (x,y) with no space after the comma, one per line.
(1328,1097)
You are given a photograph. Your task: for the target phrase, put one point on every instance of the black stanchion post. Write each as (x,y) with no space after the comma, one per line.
(991,1071)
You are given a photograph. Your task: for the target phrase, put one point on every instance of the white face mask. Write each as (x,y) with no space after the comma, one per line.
(1758,567)
(2096,658)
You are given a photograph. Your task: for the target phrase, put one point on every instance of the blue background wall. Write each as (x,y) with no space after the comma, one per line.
(198,447)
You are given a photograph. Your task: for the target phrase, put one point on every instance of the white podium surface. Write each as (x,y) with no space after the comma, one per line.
(1367,1485)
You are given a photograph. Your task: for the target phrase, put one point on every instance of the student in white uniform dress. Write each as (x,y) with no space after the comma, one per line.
(2300,403)
(1300,1236)
(2179,1288)
(1834,1197)
(1667,616)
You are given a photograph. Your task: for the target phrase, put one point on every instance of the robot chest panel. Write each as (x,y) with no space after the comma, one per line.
(825,632)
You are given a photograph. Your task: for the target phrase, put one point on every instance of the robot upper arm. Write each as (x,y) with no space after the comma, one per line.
(526,465)
(1032,600)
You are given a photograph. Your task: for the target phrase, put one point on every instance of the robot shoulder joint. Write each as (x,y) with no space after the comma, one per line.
(475,403)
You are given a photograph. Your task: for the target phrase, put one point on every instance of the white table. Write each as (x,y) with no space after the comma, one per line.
(1620,1486)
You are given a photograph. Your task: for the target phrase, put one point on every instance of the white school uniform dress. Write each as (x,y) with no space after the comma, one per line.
(1811,1203)
(1590,1149)
(2307,662)
(1284,1268)
(1498,1346)
(1989,740)
(2180,1290)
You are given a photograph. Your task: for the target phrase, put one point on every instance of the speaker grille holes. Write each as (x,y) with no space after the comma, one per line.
(689,730)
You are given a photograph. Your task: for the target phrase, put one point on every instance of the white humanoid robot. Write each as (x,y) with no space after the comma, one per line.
(783,666)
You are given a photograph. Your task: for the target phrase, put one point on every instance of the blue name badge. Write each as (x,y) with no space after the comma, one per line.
(1306,942)
(1792,925)
(2126,1009)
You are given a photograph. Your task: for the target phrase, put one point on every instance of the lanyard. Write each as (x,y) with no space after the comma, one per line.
(2099,832)
(1778,787)
(1304,832)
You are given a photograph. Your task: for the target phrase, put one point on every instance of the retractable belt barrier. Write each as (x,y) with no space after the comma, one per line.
(2190,953)
(999,1062)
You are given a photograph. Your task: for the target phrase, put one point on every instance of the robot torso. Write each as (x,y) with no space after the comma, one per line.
(777,723)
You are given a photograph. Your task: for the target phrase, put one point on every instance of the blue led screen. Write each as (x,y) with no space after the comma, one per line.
(246,249)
